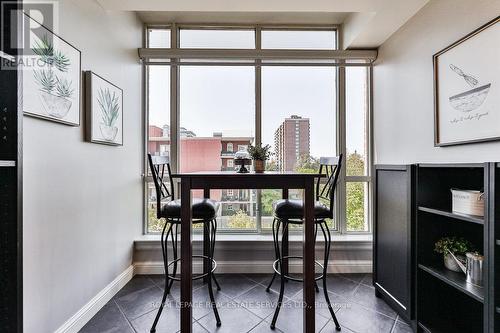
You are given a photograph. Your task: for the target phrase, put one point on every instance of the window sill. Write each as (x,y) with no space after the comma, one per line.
(149,242)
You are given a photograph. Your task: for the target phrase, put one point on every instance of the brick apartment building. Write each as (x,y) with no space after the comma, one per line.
(291,141)
(206,154)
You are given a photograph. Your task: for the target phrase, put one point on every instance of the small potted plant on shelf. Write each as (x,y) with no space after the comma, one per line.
(455,245)
(259,156)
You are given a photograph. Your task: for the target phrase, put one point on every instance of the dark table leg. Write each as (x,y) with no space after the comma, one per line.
(308,253)
(206,243)
(284,240)
(186,259)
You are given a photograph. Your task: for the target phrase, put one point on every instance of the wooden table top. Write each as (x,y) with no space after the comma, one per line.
(251,174)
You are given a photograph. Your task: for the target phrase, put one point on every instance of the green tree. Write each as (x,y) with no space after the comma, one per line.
(154,224)
(267,199)
(355,164)
(271,165)
(355,192)
(241,220)
(307,164)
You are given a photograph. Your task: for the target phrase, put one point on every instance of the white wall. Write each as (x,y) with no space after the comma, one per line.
(82,201)
(403,92)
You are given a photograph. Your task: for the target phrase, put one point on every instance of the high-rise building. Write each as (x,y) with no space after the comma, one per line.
(291,141)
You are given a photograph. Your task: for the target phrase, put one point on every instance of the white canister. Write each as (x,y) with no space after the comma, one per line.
(468,202)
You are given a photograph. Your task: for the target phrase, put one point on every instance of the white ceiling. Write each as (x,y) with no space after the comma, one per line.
(242,17)
(367,23)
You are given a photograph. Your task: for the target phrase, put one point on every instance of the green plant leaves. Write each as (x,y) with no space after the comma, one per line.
(109,106)
(44,48)
(453,244)
(47,78)
(63,88)
(259,153)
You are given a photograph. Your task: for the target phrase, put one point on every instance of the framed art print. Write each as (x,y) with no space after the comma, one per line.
(104,110)
(51,77)
(467,88)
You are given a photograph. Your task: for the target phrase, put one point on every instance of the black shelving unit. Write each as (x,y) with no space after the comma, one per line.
(456,280)
(494,248)
(462,217)
(444,301)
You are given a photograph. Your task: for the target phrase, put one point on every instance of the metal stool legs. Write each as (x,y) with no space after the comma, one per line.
(165,263)
(211,227)
(212,248)
(328,240)
(282,286)
(276,249)
(328,243)
(174,250)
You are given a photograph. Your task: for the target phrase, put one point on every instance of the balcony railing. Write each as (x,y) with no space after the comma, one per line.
(225,153)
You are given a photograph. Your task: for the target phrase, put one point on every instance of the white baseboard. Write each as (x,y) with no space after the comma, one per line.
(258,267)
(79,319)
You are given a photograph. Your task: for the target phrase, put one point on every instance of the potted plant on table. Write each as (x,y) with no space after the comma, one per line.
(455,245)
(259,156)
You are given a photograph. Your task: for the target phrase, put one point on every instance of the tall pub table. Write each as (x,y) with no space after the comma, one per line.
(231,180)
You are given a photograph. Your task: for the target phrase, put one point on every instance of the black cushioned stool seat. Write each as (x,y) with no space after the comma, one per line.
(203,209)
(294,209)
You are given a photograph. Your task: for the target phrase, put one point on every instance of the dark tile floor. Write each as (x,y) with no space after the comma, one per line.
(245,306)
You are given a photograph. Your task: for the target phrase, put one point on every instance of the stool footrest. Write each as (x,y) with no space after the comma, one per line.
(291,278)
(195,277)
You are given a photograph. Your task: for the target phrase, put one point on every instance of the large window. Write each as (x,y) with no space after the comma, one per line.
(357,139)
(298,122)
(217,109)
(223,105)
(158,129)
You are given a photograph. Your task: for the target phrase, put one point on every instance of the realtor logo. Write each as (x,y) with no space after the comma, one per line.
(24,26)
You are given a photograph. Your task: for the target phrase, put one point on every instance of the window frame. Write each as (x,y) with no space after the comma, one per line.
(257,63)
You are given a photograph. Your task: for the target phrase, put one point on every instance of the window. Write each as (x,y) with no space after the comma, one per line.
(211,117)
(357,139)
(217,38)
(298,39)
(298,133)
(295,106)
(158,129)
(159,37)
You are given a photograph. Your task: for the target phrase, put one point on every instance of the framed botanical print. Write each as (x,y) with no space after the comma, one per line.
(467,88)
(51,77)
(104,110)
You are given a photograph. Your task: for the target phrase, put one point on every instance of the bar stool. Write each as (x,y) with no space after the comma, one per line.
(288,211)
(204,212)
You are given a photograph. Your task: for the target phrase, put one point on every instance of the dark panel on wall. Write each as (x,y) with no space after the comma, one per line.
(10,181)
(393,245)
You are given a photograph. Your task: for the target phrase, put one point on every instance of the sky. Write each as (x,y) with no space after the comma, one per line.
(222,98)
